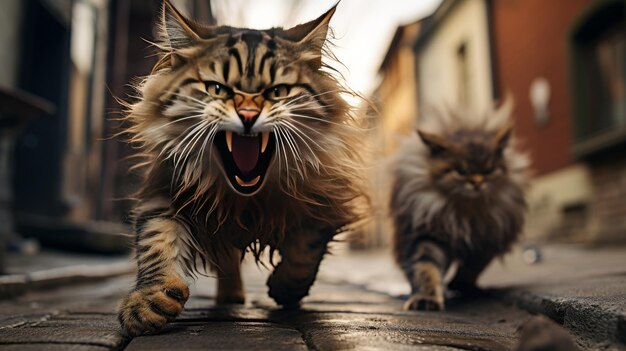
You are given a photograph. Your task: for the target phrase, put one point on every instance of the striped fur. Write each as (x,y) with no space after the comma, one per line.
(190,210)
(458,196)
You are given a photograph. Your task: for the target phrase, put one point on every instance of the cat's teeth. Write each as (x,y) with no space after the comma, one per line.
(253,182)
(229,140)
(265,139)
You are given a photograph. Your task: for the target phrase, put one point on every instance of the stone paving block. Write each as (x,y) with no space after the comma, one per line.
(332,331)
(22,319)
(594,309)
(223,314)
(103,322)
(52,347)
(221,336)
(73,334)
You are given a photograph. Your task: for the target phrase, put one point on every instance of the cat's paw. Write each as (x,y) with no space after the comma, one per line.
(420,302)
(150,308)
(287,293)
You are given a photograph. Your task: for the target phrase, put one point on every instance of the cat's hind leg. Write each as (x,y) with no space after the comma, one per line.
(467,274)
(229,285)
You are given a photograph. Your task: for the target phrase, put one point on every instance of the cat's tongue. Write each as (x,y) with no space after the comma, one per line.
(245,152)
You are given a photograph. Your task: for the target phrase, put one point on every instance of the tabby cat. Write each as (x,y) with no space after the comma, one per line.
(247,143)
(458,196)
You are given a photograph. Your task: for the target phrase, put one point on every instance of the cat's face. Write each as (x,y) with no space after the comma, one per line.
(467,164)
(244,100)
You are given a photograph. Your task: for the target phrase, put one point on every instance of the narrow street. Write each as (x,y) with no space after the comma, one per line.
(335,316)
(354,305)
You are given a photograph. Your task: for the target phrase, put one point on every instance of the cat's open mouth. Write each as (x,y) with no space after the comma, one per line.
(246,158)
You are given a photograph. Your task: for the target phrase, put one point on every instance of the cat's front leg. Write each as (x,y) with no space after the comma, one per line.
(160,292)
(425,272)
(301,255)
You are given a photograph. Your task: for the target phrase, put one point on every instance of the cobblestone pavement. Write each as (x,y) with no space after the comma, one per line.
(337,315)
(581,288)
(354,305)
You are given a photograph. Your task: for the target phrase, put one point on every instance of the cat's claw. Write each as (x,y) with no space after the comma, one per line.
(424,303)
(149,309)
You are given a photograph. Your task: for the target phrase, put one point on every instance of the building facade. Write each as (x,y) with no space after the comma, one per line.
(394,109)
(68,174)
(454,65)
(563,63)
(566,72)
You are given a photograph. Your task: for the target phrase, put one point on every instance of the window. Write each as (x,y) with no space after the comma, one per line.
(463,75)
(598,48)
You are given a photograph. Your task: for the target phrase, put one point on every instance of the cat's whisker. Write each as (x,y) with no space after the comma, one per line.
(303,160)
(293,150)
(299,134)
(283,148)
(213,133)
(181,157)
(178,121)
(204,144)
(319,120)
(295,131)
(198,101)
(193,141)
(308,105)
(173,152)
(192,148)
(304,125)
(313,96)
(278,156)
(183,144)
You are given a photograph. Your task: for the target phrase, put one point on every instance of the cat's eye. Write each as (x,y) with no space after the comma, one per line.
(218,90)
(462,171)
(277,92)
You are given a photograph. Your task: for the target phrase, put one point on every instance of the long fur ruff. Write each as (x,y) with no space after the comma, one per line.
(418,207)
(320,188)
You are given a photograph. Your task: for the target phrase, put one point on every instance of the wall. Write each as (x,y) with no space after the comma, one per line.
(439,75)
(608,215)
(397,92)
(570,199)
(559,205)
(10,22)
(396,99)
(525,52)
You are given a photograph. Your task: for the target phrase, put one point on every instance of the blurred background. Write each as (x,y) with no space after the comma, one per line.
(64,180)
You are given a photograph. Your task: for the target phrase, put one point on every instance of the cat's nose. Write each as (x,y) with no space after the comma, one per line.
(477,180)
(248,117)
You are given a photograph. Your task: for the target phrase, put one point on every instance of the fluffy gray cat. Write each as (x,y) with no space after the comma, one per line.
(458,196)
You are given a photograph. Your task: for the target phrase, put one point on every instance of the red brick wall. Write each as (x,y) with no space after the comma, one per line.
(609,205)
(530,40)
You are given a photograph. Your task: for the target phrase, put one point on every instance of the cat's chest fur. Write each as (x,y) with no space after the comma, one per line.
(472,226)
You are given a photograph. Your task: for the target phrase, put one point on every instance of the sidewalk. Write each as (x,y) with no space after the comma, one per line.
(334,317)
(583,289)
(353,305)
(49,268)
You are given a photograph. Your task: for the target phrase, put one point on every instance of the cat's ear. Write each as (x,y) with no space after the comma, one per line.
(175,31)
(436,144)
(502,137)
(310,36)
